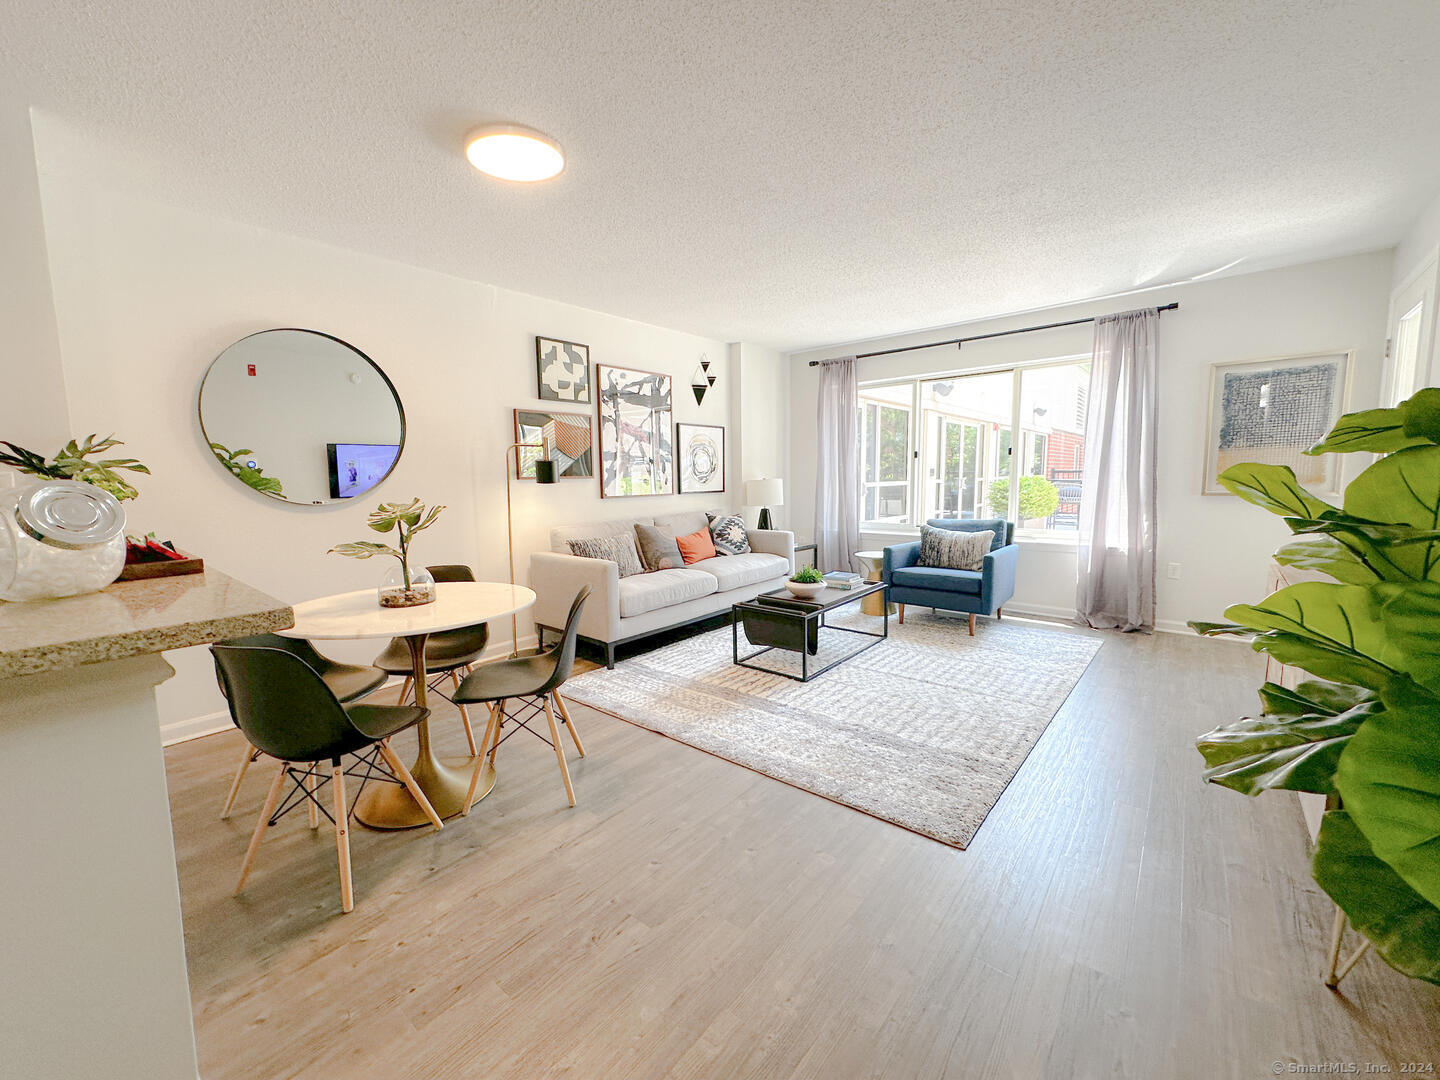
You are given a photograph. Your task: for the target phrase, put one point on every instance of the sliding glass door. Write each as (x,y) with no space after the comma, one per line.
(964,419)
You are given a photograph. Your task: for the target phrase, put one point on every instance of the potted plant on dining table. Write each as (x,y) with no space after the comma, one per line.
(402,586)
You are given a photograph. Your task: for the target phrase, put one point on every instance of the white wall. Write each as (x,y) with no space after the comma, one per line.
(148,295)
(759,419)
(32,402)
(1221,544)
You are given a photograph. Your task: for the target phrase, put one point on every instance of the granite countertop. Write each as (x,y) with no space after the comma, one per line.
(129,618)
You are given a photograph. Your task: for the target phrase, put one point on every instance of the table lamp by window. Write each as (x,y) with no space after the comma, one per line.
(764,493)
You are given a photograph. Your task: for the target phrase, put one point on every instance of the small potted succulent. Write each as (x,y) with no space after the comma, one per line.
(806,583)
(402,586)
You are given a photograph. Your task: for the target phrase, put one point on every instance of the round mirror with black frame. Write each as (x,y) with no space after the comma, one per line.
(301,416)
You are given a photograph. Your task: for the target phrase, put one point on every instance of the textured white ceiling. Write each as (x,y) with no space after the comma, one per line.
(789,173)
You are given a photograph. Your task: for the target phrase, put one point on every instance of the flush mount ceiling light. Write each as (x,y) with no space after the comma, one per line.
(512,152)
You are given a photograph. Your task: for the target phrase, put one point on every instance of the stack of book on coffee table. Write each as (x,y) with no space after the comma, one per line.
(843,579)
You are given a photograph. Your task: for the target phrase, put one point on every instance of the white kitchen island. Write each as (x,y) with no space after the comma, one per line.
(92,952)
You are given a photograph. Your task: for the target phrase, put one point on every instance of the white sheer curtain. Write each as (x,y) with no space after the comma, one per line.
(837,481)
(1116,566)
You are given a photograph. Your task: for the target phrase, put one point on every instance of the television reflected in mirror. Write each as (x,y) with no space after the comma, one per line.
(302,417)
(355,468)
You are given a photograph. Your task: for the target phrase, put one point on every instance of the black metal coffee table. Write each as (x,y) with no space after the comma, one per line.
(777,620)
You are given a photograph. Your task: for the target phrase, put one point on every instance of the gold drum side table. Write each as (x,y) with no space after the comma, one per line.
(874,561)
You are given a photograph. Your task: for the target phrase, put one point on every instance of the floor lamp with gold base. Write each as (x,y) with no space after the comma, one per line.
(544,474)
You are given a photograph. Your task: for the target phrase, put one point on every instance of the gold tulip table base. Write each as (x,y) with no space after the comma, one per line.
(444,781)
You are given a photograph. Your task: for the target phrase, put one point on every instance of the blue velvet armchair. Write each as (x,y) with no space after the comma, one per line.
(978,592)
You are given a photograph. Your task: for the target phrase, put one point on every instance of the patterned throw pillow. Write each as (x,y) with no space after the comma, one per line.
(617,549)
(729,535)
(954,550)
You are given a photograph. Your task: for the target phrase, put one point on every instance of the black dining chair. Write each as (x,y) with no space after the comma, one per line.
(534,681)
(286,711)
(449,652)
(347,682)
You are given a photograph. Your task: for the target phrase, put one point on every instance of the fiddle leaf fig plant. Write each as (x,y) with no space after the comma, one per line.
(405,519)
(73,462)
(1368,735)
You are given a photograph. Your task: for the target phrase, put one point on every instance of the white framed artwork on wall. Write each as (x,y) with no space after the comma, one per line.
(1271,411)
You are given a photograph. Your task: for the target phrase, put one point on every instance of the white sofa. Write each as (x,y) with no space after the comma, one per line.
(622,609)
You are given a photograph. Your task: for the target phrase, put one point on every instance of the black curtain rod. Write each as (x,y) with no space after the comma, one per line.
(982,337)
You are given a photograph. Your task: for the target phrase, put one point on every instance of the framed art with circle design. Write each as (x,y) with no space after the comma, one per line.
(699,458)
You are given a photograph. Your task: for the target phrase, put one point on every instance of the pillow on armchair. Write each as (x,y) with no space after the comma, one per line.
(998,526)
(954,549)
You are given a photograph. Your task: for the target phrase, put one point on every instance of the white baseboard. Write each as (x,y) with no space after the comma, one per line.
(1041,611)
(197,727)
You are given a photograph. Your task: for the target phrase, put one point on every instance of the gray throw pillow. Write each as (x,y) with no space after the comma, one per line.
(729,535)
(658,550)
(617,549)
(954,550)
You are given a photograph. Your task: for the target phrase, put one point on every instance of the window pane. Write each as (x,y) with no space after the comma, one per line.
(1052,424)
(886,453)
(872,415)
(894,444)
(965,420)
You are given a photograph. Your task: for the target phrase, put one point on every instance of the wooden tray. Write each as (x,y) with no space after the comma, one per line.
(140,571)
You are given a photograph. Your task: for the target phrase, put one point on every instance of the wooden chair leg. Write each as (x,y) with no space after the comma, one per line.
(342,835)
(559,750)
(404,690)
(999,613)
(972,624)
(492,732)
(464,714)
(499,724)
(398,768)
(272,798)
(569,723)
(902,614)
(312,782)
(246,758)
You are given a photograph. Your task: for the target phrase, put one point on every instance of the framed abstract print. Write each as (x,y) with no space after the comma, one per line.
(562,371)
(699,458)
(1272,411)
(567,434)
(635,445)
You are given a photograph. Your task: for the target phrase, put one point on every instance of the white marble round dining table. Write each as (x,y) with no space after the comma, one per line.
(445,781)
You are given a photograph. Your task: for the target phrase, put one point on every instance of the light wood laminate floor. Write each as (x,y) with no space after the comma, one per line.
(1113,917)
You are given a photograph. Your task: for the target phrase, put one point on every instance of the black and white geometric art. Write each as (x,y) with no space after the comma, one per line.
(562,370)
(700,457)
(635,447)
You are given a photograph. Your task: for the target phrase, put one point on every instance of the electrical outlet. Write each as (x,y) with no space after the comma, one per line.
(1172,571)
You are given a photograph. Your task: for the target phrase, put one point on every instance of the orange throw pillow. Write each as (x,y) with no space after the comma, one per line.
(696,546)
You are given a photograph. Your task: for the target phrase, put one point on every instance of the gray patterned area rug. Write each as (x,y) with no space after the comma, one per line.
(924,730)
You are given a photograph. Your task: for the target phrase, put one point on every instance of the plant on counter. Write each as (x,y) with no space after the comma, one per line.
(808,575)
(72,463)
(1366,734)
(406,519)
(252,475)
